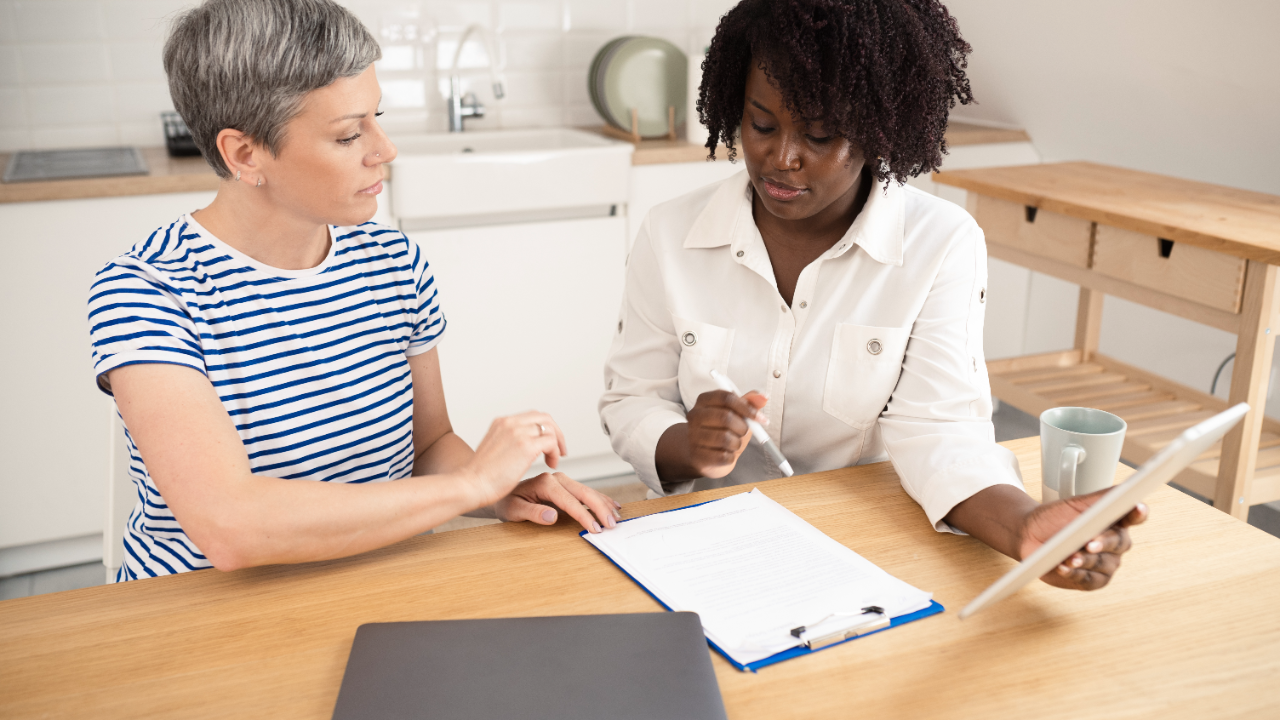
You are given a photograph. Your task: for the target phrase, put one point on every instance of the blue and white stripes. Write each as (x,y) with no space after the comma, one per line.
(311,365)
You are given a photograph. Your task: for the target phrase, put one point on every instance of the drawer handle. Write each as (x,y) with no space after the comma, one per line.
(1031,214)
(1166,248)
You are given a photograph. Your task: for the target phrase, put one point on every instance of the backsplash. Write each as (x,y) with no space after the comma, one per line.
(84,73)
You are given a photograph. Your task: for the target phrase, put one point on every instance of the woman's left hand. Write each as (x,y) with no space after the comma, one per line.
(535,500)
(1092,566)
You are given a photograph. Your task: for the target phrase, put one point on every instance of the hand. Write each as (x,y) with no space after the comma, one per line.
(1093,565)
(507,451)
(531,500)
(717,430)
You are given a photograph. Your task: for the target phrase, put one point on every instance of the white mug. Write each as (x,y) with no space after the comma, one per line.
(1079,450)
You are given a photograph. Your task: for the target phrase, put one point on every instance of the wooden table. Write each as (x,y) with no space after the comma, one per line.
(1203,252)
(1188,628)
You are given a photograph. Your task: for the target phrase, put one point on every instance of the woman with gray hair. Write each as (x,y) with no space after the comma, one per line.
(277,336)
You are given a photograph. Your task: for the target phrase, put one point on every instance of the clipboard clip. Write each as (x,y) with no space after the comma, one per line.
(862,626)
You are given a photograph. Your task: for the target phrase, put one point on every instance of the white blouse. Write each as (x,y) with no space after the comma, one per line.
(878,357)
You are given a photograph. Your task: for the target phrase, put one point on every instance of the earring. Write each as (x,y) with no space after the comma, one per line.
(237,176)
(259,183)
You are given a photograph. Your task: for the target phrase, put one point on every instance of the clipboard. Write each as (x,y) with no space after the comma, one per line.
(856,629)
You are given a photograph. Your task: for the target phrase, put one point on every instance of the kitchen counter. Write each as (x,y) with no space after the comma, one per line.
(165,175)
(192,174)
(653,152)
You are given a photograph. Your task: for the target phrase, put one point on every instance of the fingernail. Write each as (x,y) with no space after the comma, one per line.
(608,521)
(595,526)
(1064,570)
(549,515)
(617,515)
(1095,546)
(617,504)
(1077,561)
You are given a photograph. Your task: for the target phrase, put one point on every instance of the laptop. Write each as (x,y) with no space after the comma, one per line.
(621,667)
(1157,471)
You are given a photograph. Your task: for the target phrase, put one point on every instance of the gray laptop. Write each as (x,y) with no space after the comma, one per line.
(621,667)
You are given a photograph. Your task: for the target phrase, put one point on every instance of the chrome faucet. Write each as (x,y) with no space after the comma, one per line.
(464,106)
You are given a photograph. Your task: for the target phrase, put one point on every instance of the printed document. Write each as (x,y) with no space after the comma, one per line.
(753,571)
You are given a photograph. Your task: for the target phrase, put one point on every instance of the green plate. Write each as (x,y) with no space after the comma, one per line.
(648,74)
(595,79)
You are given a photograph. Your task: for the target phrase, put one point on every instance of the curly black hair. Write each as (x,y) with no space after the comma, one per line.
(881,73)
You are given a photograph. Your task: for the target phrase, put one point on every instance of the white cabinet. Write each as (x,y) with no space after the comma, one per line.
(531,310)
(55,431)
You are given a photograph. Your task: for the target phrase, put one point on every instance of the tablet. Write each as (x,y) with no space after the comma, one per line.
(1157,471)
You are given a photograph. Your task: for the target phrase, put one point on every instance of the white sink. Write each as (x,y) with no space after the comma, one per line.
(456,179)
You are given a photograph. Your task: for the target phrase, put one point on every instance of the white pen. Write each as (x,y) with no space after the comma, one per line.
(757,429)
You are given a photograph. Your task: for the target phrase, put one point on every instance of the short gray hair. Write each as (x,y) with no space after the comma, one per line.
(246,65)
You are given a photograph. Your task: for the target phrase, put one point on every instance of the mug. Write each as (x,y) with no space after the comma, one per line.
(1079,450)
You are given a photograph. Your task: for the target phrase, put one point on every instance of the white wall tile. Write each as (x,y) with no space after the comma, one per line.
(136,61)
(597,14)
(659,13)
(532,117)
(532,51)
(143,134)
(575,88)
(52,138)
(11,140)
(8,22)
(13,109)
(534,88)
(707,13)
(142,102)
(455,15)
(581,48)
(71,105)
(544,15)
(58,20)
(582,116)
(141,19)
(10,68)
(64,63)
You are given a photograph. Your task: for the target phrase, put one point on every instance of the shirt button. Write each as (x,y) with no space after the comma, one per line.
(784,307)
(739,253)
(690,338)
(777,373)
(982,295)
(804,304)
(874,347)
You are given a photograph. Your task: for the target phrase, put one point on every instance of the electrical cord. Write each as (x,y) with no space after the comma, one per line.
(1214,385)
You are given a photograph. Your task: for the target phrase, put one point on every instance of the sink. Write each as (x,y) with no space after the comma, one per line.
(458,179)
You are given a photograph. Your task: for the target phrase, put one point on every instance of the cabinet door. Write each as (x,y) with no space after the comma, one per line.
(56,430)
(531,311)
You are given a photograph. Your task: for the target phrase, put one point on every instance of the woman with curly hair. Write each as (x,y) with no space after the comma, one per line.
(852,301)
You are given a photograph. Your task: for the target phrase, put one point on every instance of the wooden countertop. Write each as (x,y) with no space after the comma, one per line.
(652,152)
(166,175)
(1188,629)
(1238,222)
(193,174)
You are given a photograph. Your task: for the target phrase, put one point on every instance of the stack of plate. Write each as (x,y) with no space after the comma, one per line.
(643,73)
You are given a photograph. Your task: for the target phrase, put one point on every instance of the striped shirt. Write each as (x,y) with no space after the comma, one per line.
(311,365)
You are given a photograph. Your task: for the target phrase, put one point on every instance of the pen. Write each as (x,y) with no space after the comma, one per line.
(758,430)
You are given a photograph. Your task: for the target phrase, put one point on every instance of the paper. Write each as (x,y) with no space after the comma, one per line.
(753,570)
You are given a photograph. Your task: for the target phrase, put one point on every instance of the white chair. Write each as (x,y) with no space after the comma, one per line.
(121,497)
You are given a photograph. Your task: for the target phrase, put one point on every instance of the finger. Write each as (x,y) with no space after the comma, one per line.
(727,400)
(757,401)
(1136,516)
(1080,578)
(599,503)
(550,439)
(1106,563)
(551,490)
(1113,540)
(519,510)
(718,419)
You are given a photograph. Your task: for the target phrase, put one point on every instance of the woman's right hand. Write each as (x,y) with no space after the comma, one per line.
(717,430)
(508,450)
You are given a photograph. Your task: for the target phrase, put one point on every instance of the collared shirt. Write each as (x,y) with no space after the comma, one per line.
(879,355)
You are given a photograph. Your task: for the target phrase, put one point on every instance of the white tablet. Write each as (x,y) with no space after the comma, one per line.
(1122,498)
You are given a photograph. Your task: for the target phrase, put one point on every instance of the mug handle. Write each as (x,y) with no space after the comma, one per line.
(1072,455)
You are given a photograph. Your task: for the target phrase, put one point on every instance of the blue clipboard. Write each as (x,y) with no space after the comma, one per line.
(934,608)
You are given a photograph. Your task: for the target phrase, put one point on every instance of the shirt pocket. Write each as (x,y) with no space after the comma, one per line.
(864,369)
(703,347)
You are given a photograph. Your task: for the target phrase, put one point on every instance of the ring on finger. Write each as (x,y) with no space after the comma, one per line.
(541,430)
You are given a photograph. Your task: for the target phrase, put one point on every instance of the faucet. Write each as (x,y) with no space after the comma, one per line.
(464,106)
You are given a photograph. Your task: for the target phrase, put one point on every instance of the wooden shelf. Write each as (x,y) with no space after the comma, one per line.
(1157,410)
